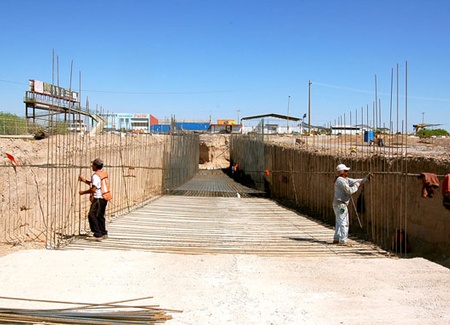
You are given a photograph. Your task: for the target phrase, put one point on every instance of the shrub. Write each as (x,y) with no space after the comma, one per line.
(424,133)
(11,124)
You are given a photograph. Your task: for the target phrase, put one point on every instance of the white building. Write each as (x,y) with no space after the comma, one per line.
(349,129)
(271,124)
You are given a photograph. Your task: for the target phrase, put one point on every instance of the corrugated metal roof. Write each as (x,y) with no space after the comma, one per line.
(283,117)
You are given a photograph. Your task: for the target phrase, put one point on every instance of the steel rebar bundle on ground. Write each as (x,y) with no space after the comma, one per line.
(86,313)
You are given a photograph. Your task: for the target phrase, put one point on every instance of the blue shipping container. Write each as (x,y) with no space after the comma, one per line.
(368,136)
(160,128)
(193,126)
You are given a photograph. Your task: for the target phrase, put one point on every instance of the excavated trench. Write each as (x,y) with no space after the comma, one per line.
(215,183)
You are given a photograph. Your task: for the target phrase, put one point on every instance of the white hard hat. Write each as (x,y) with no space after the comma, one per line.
(342,167)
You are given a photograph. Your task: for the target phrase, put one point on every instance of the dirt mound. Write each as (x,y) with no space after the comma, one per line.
(214,151)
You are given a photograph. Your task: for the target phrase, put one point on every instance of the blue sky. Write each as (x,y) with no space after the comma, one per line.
(230,59)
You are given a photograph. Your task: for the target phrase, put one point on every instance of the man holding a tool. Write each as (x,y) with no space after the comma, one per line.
(344,187)
(100,194)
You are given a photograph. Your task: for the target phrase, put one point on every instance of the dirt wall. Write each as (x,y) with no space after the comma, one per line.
(304,177)
(214,151)
(40,198)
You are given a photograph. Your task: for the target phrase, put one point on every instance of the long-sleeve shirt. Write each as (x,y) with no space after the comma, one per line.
(344,188)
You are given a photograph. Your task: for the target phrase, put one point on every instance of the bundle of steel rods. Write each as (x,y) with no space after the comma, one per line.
(86,313)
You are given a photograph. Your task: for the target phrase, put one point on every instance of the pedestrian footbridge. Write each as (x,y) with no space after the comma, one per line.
(213,214)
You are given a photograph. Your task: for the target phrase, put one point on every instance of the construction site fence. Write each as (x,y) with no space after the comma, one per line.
(389,210)
(40,193)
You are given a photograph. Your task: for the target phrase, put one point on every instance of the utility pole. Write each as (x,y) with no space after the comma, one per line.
(309,107)
(423,117)
(238,120)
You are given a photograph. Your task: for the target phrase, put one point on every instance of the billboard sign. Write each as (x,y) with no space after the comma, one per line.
(140,116)
(44,88)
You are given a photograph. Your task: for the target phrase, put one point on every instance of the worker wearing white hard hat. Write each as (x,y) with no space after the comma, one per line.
(344,187)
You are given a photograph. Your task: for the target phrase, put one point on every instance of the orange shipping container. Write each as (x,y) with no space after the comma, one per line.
(226,122)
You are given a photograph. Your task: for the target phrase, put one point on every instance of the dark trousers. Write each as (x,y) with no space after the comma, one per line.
(96,217)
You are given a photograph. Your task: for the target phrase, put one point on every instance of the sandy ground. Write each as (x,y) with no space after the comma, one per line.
(236,289)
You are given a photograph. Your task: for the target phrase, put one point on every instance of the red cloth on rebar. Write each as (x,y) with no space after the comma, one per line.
(429,183)
(446,185)
(11,157)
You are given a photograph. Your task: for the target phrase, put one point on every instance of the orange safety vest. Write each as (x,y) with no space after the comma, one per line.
(104,185)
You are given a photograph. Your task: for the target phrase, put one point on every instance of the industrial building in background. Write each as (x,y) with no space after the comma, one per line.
(147,123)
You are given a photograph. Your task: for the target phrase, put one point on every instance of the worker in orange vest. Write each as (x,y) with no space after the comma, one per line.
(100,194)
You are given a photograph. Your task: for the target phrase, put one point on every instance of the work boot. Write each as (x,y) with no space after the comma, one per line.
(94,238)
(345,244)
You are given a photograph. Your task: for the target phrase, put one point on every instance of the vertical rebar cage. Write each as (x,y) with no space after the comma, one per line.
(40,196)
